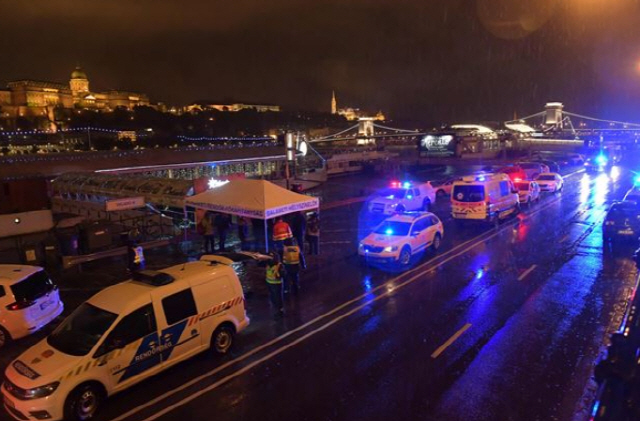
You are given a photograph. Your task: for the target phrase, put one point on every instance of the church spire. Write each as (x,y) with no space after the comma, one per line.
(334,103)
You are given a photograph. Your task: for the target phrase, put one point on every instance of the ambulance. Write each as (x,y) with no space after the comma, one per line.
(125,334)
(484,197)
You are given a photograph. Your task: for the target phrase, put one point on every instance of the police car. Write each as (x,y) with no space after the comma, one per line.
(403,197)
(401,236)
(125,334)
(29,300)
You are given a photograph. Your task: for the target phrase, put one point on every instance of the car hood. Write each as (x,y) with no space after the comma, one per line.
(381,240)
(545,182)
(40,365)
(384,200)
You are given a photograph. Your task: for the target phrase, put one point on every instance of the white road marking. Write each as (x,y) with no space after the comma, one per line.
(481,237)
(451,340)
(526,272)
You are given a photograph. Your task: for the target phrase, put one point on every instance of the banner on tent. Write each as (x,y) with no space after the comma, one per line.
(294,207)
(249,213)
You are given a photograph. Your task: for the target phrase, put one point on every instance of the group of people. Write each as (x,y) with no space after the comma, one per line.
(219,224)
(288,238)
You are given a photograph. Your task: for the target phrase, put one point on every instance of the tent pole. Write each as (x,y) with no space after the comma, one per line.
(266,236)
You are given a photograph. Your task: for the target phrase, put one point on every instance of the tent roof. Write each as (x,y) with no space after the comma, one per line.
(259,199)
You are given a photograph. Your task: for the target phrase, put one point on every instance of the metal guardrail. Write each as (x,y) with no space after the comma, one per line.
(70,261)
(618,375)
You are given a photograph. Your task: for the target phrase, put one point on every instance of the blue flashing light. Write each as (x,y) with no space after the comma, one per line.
(480,178)
(601,159)
(409,197)
(406,185)
(636,180)
(389,231)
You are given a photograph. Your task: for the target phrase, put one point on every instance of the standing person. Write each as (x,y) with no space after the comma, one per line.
(313,233)
(281,232)
(207,230)
(299,227)
(274,283)
(293,259)
(257,226)
(223,223)
(243,231)
(135,256)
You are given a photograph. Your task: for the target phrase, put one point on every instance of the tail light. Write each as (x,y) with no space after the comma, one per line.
(20,305)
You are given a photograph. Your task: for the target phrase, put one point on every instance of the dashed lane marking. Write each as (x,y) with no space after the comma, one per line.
(451,340)
(526,272)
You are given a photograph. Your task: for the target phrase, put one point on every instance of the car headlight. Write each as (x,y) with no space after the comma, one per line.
(393,205)
(39,392)
(391,249)
(609,223)
(360,246)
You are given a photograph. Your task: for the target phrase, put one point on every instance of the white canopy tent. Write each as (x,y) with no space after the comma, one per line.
(258,199)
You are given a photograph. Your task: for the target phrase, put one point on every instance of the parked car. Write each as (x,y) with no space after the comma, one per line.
(443,187)
(622,222)
(29,300)
(403,197)
(528,192)
(532,169)
(550,182)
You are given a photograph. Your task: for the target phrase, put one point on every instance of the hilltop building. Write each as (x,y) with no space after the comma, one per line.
(32,98)
(353,113)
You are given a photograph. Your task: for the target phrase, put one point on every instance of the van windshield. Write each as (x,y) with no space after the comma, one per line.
(79,332)
(468,193)
(546,178)
(522,186)
(33,287)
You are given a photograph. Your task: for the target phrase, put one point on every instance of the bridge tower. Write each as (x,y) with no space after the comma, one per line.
(553,114)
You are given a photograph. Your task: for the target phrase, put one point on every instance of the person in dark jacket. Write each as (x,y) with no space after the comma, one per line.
(293,260)
(135,256)
(223,223)
(299,228)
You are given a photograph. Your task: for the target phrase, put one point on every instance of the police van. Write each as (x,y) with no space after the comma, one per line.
(403,197)
(125,334)
(484,197)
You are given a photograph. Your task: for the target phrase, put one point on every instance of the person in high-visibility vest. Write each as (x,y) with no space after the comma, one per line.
(281,232)
(135,256)
(274,283)
(293,260)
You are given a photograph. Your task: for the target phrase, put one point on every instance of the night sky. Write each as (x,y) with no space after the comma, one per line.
(431,61)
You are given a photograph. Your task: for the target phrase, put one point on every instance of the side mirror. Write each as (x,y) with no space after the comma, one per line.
(415,233)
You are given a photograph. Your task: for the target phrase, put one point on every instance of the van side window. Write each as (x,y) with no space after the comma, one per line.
(2,293)
(179,306)
(504,188)
(434,220)
(136,325)
(417,192)
(419,225)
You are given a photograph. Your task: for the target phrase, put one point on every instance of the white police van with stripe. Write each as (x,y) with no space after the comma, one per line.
(124,334)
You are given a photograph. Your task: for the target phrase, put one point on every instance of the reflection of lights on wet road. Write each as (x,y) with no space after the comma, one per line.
(585,188)
(367,283)
(480,273)
(601,189)
(615,173)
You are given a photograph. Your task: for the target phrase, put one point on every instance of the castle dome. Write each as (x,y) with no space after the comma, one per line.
(78,73)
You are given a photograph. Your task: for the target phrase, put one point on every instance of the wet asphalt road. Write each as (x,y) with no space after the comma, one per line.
(501,324)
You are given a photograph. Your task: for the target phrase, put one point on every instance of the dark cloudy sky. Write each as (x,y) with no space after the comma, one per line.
(430,60)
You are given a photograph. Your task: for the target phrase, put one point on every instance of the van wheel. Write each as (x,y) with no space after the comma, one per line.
(405,256)
(400,208)
(83,403)
(5,338)
(222,339)
(426,203)
(440,193)
(437,240)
